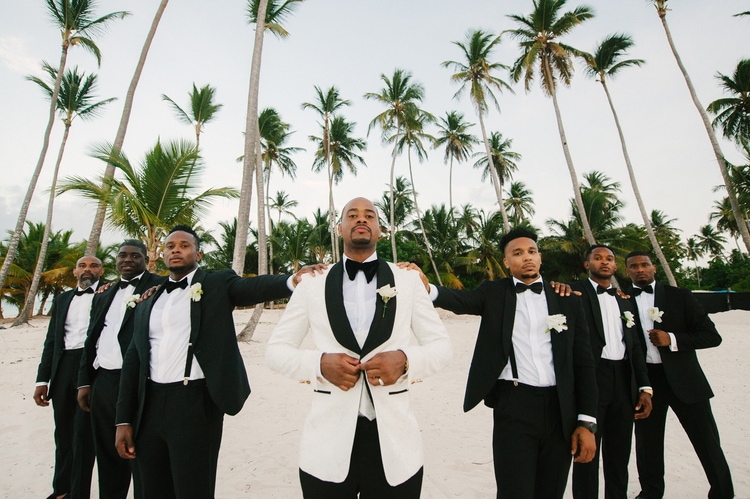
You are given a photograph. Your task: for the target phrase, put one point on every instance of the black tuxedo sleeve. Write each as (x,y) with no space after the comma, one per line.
(699,330)
(583,364)
(462,301)
(251,290)
(45,364)
(127,400)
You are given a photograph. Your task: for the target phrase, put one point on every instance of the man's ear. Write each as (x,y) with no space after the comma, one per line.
(198,256)
(586,264)
(338,229)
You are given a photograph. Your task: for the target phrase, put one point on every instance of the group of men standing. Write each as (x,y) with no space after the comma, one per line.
(565,375)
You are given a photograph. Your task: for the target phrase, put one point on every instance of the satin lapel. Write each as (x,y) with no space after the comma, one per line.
(558,339)
(62,313)
(337,318)
(143,285)
(593,299)
(509,317)
(382,324)
(638,325)
(660,300)
(195,307)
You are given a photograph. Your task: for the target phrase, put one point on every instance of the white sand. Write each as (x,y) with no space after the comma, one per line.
(259,451)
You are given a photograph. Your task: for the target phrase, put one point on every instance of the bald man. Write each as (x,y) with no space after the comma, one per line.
(57,381)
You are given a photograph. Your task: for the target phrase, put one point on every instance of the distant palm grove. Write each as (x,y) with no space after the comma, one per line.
(454,242)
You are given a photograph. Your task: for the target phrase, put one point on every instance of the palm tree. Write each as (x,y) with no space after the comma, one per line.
(440,228)
(607,61)
(694,252)
(541,51)
(122,128)
(733,113)
(710,241)
(476,74)
(77,24)
(401,98)
(202,109)
(328,103)
(457,141)
(75,99)
(503,166)
(336,152)
(272,13)
(283,204)
(486,252)
(723,215)
(402,204)
(520,203)
(154,197)
(661,10)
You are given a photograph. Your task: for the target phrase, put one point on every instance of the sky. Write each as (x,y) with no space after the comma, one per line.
(350,44)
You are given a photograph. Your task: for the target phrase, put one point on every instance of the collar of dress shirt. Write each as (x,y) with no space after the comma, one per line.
(189,277)
(515,280)
(595,284)
(93,286)
(370,258)
(652,283)
(139,276)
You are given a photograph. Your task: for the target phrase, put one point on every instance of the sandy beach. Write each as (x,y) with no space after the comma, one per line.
(259,450)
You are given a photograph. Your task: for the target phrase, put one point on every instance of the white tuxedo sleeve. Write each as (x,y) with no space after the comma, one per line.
(283,353)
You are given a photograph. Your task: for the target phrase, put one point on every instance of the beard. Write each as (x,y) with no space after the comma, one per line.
(530,275)
(86,281)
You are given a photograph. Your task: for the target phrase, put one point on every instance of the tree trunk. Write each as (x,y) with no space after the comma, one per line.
(494,178)
(28,306)
(738,216)
(421,224)
(251,138)
(394,253)
(644,214)
(10,255)
(450,185)
(109,171)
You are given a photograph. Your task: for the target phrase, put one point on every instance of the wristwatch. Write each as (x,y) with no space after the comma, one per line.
(649,391)
(588,425)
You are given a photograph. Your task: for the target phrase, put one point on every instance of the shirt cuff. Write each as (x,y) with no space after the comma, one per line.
(42,383)
(290,283)
(584,417)
(672,342)
(84,386)
(433,292)
(641,388)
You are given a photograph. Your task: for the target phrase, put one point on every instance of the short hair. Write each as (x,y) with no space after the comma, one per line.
(638,253)
(189,230)
(515,233)
(134,242)
(596,246)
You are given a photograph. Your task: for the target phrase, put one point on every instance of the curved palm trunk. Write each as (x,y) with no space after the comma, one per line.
(450,185)
(335,253)
(493,174)
(28,306)
(270,221)
(109,171)
(394,253)
(738,216)
(644,214)
(569,160)
(10,255)
(421,224)
(251,138)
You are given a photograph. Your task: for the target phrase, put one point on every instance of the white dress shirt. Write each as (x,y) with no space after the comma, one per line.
(108,353)
(169,335)
(77,319)
(612,322)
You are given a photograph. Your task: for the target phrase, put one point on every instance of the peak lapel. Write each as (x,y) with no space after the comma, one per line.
(381,327)
(195,307)
(558,339)
(591,296)
(337,317)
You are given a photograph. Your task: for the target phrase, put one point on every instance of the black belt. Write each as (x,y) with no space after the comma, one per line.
(538,390)
(176,384)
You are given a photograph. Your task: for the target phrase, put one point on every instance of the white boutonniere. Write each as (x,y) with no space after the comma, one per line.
(628,318)
(386,293)
(557,323)
(655,314)
(131,301)
(196,290)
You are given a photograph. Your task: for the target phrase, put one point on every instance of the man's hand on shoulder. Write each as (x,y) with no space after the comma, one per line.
(385,368)
(317,268)
(103,287)
(340,369)
(414,266)
(563,289)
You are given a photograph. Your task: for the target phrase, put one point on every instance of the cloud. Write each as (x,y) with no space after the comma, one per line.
(14,57)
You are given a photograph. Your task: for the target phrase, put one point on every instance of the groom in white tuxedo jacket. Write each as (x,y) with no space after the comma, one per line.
(361,435)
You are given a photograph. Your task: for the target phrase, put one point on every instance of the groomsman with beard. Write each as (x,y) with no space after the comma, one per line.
(624,389)
(672,326)
(57,379)
(183,370)
(109,335)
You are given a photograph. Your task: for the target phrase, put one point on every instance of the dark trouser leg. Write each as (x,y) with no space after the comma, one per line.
(532,457)
(649,437)
(114,472)
(617,434)
(83,456)
(366,473)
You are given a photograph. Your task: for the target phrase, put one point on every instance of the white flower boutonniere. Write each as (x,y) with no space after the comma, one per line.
(386,293)
(655,314)
(196,290)
(131,301)
(628,318)
(557,323)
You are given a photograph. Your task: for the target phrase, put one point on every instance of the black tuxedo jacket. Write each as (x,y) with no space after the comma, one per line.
(54,342)
(639,373)
(99,308)
(213,337)
(687,320)
(574,367)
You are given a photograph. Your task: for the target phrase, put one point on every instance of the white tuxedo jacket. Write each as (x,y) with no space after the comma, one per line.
(317,308)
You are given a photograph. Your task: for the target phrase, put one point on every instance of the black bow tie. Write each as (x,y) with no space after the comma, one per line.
(170,286)
(647,288)
(536,287)
(369,268)
(601,289)
(86,291)
(133,282)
